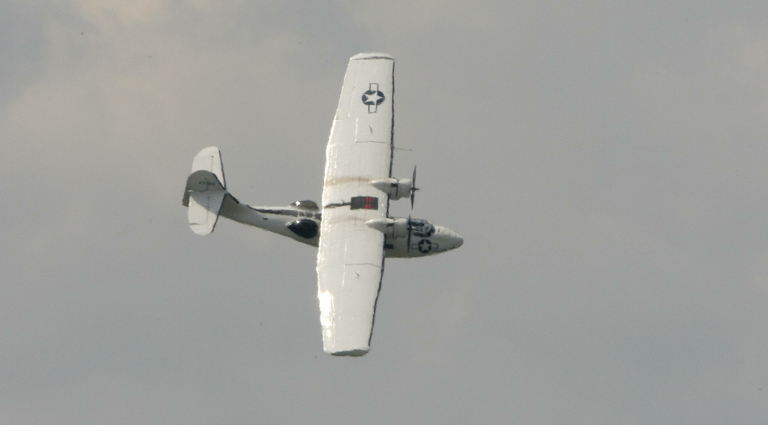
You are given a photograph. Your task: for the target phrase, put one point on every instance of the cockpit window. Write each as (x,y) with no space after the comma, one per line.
(422,228)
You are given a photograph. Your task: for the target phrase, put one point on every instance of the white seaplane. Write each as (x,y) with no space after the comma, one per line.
(353,231)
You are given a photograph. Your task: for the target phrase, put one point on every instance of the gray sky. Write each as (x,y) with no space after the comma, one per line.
(606,163)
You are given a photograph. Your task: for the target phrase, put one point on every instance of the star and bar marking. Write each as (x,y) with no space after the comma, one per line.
(373,98)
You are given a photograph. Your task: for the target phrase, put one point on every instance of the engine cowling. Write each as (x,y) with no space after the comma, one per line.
(394,227)
(395,188)
(400,228)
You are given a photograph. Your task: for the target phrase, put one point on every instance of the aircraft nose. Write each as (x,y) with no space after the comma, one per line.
(455,240)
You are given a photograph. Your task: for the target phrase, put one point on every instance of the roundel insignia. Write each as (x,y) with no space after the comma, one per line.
(425,246)
(373,97)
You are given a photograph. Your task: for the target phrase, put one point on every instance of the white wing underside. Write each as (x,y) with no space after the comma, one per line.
(350,259)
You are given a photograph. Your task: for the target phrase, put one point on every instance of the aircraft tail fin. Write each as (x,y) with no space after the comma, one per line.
(205,191)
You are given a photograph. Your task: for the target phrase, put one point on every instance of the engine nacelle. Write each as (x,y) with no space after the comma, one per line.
(395,188)
(393,227)
(400,228)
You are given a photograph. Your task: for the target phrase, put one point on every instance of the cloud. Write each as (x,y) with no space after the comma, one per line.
(604,163)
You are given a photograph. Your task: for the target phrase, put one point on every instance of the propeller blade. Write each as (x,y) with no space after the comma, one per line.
(408,242)
(413,187)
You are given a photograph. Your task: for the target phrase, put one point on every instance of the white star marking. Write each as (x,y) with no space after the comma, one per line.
(375,98)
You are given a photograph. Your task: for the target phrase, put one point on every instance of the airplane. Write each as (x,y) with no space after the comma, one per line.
(353,230)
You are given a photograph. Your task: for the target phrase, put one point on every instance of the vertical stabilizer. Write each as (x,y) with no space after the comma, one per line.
(205,191)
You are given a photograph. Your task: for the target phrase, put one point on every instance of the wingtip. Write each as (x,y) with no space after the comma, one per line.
(350,353)
(369,56)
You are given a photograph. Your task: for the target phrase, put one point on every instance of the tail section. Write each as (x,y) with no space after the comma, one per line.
(205,191)
(207,197)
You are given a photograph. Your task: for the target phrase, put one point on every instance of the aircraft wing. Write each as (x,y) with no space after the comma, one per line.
(350,259)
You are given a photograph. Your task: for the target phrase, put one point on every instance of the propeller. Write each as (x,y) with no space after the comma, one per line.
(408,242)
(413,195)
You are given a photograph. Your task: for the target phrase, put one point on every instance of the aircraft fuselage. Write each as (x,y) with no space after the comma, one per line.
(301,222)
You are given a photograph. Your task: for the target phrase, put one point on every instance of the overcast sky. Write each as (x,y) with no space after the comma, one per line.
(606,163)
